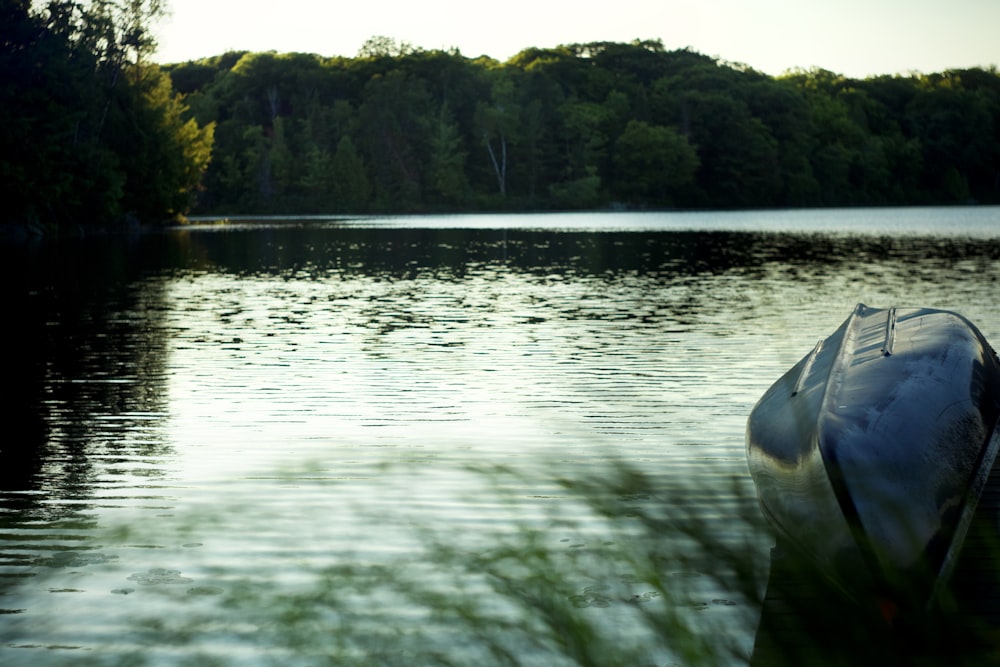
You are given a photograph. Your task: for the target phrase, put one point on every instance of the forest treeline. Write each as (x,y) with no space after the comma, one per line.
(398,129)
(91,132)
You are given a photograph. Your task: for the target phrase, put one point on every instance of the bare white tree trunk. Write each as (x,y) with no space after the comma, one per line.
(499,168)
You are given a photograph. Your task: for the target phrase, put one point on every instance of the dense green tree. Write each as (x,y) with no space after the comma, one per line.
(317,179)
(258,169)
(956,129)
(656,164)
(395,120)
(446,177)
(43,107)
(351,189)
(582,125)
(584,145)
(539,152)
(380,46)
(163,155)
(738,155)
(785,113)
(109,138)
(284,161)
(497,120)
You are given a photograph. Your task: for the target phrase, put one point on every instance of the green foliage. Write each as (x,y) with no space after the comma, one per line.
(395,126)
(582,126)
(380,46)
(446,169)
(165,155)
(654,163)
(402,129)
(89,133)
(350,183)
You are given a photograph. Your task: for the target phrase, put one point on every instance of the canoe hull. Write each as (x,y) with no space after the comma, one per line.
(870,454)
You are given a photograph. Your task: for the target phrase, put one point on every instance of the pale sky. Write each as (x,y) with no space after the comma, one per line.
(854,37)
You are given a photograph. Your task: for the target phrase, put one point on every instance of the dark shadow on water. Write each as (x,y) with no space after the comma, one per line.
(410,252)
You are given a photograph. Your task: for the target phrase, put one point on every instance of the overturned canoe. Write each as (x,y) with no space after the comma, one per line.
(869,455)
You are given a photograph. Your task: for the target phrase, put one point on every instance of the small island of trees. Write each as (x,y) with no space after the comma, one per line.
(94,132)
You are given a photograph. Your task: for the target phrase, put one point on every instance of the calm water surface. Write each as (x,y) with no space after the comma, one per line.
(234,443)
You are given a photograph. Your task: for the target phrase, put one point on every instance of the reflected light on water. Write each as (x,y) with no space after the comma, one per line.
(259,444)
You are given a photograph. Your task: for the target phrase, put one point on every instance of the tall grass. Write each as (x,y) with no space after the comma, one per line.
(627,569)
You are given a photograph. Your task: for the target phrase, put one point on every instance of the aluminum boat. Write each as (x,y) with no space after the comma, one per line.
(870,455)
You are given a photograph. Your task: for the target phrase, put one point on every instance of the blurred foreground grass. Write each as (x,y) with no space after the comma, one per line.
(621,567)
(618,568)
(624,569)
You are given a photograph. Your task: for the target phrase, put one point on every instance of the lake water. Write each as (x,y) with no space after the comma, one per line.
(419,440)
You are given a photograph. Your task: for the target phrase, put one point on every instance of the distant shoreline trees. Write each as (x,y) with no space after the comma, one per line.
(399,129)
